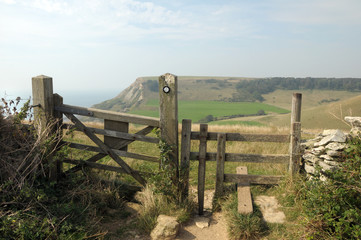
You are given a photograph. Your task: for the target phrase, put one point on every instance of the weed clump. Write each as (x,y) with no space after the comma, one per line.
(242,226)
(32,206)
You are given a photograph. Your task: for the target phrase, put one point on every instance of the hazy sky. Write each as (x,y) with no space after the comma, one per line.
(107,44)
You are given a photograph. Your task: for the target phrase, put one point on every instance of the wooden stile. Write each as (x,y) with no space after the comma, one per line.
(245,205)
(202,166)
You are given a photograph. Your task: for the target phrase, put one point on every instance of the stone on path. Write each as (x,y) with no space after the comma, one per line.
(202,222)
(167,228)
(269,208)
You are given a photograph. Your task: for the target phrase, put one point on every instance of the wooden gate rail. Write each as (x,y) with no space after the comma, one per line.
(108,115)
(116,134)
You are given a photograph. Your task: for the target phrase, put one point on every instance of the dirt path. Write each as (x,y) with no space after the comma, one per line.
(217,228)
(209,226)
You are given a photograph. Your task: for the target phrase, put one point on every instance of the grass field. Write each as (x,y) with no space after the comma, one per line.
(197,110)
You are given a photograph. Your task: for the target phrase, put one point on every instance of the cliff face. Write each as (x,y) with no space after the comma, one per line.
(129,98)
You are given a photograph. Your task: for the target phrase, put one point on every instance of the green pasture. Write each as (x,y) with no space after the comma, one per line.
(197,110)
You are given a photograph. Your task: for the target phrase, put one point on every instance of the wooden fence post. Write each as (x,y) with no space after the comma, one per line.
(168,111)
(221,154)
(295,139)
(203,132)
(185,154)
(296,107)
(43,102)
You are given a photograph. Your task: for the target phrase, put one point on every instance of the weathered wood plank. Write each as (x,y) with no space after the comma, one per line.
(245,137)
(103,114)
(252,179)
(221,153)
(121,127)
(245,205)
(252,158)
(121,144)
(118,152)
(101,166)
(185,152)
(168,112)
(106,149)
(202,166)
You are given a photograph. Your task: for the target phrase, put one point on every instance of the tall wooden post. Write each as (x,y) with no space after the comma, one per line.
(295,139)
(168,111)
(43,102)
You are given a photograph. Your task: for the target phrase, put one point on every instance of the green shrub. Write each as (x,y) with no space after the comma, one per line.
(333,207)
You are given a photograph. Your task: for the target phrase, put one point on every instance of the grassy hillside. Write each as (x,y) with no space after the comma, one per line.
(310,98)
(321,117)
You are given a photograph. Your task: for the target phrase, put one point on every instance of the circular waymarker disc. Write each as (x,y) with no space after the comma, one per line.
(166,89)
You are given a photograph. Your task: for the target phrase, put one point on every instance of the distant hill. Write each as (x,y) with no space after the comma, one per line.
(189,88)
(321,96)
(230,89)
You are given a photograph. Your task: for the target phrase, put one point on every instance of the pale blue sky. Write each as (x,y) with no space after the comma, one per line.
(107,44)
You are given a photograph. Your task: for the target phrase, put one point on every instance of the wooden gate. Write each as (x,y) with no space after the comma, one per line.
(116,128)
(202,156)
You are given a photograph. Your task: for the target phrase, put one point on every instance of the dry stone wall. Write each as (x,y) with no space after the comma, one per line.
(325,152)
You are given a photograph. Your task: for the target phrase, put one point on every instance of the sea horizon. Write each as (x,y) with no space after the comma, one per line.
(78,98)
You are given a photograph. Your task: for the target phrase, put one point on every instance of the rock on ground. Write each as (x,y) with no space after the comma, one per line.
(167,228)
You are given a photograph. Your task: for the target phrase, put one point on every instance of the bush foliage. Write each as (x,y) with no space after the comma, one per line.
(333,207)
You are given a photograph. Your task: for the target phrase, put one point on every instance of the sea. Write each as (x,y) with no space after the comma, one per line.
(76,98)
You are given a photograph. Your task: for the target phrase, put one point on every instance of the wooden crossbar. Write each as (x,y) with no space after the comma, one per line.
(104,114)
(118,152)
(251,158)
(212,136)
